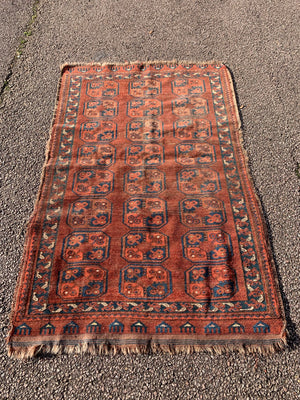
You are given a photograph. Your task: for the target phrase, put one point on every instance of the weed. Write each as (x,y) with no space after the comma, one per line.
(297,170)
(19,51)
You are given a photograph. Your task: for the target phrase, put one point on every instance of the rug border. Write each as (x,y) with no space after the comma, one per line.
(260,214)
(275,344)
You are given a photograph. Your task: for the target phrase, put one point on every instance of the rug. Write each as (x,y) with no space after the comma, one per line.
(146,234)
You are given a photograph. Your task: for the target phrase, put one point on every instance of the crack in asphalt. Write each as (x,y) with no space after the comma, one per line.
(19,51)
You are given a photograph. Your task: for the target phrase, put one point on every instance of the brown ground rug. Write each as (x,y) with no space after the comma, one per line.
(147,234)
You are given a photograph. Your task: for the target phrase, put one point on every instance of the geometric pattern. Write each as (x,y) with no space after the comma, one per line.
(195,154)
(98,131)
(103,155)
(203,211)
(192,129)
(77,282)
(144,181)
(145,246)
(147,155)
(144,130)
(207,245)
(88,213)
(213,282)
(86,247)
(198,181)
(95,182)
(147,231)
(145,212)
(145,282)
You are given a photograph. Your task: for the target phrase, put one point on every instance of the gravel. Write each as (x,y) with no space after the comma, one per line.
(258,41)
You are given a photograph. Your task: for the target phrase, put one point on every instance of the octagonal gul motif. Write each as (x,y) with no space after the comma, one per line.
(93,182)
(144,88)
(100,88)
(198,181)
(207,245)
(202,212)
(145,282)
(87,213)
(79,282)
(192,106)
(194,154)
(148,155)
(96,155)
(86,247)
(144,130)
(140,246)
(145,181)
(206,282)
(101,108)
(144,108)
(145,212)
(192,129)
(188,87)
(98,131)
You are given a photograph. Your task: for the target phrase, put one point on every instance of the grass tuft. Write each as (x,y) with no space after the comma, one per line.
(20,49)
(297,170)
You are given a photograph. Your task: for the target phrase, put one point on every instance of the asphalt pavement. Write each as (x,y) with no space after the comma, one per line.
(258,41)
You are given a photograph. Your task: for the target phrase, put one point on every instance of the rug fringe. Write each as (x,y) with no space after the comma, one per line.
(22,353)
(138,62)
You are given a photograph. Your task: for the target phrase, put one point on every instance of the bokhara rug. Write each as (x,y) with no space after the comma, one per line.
(146,234)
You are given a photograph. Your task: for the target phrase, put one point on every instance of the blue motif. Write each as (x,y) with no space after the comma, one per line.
(116,327)
(138,327)
(187,328)
(47,329)
(71,328)
(23,330)
(137,273)
(163,327)
(261,327)
(212,328)
(236,328)
(93,327)
(87,290)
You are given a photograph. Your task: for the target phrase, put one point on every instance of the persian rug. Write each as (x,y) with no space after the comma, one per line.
(146,234)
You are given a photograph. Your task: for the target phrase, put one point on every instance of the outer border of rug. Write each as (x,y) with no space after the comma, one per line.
(148,346)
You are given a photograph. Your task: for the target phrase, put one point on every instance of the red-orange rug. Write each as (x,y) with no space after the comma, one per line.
(147,234)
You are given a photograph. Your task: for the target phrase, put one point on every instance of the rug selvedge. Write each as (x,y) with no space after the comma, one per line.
(147,233)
